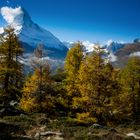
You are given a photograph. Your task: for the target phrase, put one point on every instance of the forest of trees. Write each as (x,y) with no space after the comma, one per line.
(87,90)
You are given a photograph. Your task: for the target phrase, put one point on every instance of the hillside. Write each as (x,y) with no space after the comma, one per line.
(130,49)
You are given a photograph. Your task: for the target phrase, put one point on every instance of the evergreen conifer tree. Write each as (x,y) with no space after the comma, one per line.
(11,68)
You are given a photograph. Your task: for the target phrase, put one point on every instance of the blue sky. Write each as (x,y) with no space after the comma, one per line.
(93,20)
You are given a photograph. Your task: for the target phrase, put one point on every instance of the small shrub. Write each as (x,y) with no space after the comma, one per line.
(85,118)
(81,122)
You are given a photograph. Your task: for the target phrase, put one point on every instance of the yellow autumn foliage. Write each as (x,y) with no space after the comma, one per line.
(37,92)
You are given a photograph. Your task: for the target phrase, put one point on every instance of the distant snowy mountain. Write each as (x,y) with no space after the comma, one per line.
(110,46)
(88,46)
(32,34)
(113,46)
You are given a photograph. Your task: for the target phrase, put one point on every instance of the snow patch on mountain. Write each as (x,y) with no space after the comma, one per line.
(88,46)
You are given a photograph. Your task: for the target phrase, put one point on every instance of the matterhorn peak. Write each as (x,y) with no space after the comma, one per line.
(30,33)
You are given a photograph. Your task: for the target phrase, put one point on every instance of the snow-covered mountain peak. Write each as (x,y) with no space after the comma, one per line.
(113,46)
(109,42)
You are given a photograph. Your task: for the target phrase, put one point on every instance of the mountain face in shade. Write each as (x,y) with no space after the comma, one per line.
(31,34)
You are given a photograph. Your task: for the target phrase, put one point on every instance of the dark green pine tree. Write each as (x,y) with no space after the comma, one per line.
(11,68)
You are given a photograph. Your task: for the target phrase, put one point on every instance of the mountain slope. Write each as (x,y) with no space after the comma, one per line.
(129,50)
(31,33)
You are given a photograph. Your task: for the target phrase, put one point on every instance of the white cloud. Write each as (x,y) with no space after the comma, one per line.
(12,15)
(112,57)
(1,30)
(135,54)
